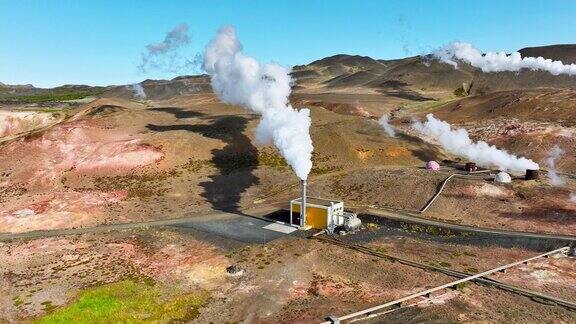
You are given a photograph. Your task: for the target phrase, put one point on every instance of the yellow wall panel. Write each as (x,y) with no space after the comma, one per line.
(315,217)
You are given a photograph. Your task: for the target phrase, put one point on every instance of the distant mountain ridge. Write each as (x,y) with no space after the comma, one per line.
(421,74)
(564,52)
(410,78)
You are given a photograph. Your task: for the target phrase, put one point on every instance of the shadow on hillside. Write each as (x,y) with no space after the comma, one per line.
(407,94)
(235,162)
(425,151)
(178,112)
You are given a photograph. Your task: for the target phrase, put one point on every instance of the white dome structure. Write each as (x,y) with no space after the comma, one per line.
(502,177)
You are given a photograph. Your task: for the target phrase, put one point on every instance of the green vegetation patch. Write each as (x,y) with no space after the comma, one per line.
(51,95)
(148,184)
(232,162)
(137,185)
(445,264)
(268,157)
(17,301)
(432,230)
(325,170)
(128,302)
(372,226)
(429,104)
(194,166)
(380,249)
(461,286)
(271,158)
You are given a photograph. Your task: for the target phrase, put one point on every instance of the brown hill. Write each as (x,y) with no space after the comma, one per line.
(544,105)
(164,89)
(565,53)
(526,122)
(417,77)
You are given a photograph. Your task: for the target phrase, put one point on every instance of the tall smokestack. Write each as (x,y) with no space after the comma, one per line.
(303,205)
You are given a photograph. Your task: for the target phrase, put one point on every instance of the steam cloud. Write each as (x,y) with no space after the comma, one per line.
(264,89)
(166,56)
(384,121)
(138,90)
(499,61)
(458,142)
(553,176)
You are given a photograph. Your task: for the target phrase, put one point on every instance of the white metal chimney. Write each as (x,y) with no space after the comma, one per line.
(303,205)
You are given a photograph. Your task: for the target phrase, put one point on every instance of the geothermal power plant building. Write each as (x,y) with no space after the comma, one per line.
(323,214)
(319,212)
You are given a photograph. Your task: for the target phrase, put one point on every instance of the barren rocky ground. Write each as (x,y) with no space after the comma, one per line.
(112,159)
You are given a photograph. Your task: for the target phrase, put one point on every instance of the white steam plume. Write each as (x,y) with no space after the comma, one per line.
(458,142)
(384,121)
(555,179)
(166,55)
(264,89)
(499,61)
(138,90)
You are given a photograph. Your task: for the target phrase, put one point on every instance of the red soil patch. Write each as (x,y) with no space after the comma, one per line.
(57,210)
(79,146)
(179,258)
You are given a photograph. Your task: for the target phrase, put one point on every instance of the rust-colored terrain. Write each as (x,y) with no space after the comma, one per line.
(76,158)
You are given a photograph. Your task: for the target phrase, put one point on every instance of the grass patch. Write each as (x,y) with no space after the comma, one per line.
(128,302)
(432,230)
(372,226)
(229,163)
(267,157)
(445,264)
(51,95)
(17,301)
(380,249)
(137,185)
(429,105)
(318,170)
(461,286)
(271,158)
(194,166)
(148,184)
(48,306)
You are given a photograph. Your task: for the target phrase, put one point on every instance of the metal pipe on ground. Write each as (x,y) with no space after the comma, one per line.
(437,193)
(303,205)
(448,285)
(444,184)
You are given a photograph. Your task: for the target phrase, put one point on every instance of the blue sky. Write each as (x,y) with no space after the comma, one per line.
(49,43)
